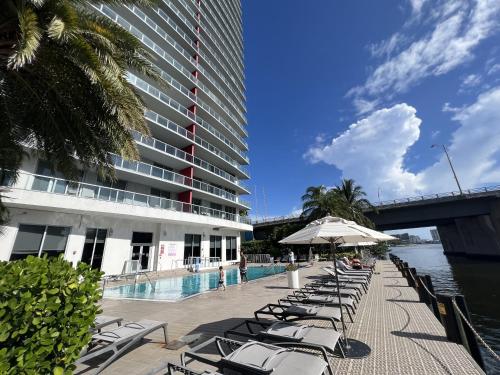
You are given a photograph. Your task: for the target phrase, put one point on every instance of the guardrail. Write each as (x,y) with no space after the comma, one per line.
(53,185)
(439,196)
(450,310)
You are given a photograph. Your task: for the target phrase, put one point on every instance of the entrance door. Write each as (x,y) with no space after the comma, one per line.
(93,249)
(141,253)
(142,244)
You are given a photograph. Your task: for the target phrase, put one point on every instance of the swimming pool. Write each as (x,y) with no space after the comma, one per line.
(177,288)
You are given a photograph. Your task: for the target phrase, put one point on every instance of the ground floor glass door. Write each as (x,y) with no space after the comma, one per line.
(142,244)
(93,249)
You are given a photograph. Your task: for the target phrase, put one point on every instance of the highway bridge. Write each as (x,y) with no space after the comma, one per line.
(468,223)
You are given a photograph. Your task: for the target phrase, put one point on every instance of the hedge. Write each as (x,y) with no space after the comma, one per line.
(46,310)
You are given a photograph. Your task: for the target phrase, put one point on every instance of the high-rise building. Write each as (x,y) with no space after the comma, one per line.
(435,235)
(181,200)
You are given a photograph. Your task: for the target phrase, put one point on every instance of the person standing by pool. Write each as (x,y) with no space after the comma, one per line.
(243,266)
(221,279)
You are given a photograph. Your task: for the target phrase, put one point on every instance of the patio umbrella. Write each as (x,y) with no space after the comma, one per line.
(354,244)
(375,234)
(333,231)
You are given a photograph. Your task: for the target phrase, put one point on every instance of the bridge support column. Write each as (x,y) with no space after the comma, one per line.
(451,239)
(472,236)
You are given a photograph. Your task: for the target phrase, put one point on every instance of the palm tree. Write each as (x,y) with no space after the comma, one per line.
(63,86)
(353,196)
(318,202)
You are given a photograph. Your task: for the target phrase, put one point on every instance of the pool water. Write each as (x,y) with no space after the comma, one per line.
(177,288)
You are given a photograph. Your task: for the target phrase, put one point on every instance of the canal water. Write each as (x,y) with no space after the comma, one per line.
(477,280)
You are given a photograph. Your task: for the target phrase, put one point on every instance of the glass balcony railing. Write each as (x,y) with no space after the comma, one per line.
(162,53)
(48,184)
(237,58)
(167,175)
(153,91)
(158,30)
(236,44)
(183,89)
(167,124)
(228,64)
(180,154)
(228,19)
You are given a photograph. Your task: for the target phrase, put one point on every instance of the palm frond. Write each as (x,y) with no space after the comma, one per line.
(29,39)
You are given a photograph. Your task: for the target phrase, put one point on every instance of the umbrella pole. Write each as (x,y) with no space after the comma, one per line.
(332,247)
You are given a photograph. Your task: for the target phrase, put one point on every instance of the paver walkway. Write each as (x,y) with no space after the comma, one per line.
(402,335)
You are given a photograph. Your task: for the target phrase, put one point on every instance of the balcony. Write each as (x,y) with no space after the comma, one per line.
(145,169)
(164,123)
(231,64)
(166,149)
(151,24)
(161,97)
(107,200)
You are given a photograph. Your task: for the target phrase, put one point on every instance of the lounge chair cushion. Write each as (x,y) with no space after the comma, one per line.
(326,299)
(326,337)
(275,360)
(125,331)
(303,310)
(286,330)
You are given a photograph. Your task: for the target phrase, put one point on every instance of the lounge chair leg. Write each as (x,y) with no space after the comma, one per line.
(342,353)
(349,313)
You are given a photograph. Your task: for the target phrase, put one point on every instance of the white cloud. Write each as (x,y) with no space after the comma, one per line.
(471,80)
(493,69)
(416,5)
(372,150)
(458,29)
(386,47)
(435,133)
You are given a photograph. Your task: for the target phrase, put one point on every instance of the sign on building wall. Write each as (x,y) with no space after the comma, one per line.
(172,250)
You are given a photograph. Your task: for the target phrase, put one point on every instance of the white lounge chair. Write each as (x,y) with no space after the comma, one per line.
(254,357)
(116,341)
(280,331)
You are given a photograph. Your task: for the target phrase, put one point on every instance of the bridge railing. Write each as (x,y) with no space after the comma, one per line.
(275,219)
(398,202)
(447,195)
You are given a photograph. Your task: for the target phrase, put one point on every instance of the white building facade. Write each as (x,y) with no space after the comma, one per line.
(181,200)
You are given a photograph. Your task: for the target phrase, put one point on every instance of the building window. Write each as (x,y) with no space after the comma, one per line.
(38,240)
(231,251)
(215,247)
(160,193)
(93,249)
(192,245)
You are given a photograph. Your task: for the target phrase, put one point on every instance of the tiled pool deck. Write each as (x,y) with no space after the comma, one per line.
(403,334)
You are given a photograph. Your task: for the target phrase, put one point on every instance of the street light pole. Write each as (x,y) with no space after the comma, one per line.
(451,166)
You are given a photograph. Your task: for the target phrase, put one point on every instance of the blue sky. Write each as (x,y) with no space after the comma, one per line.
(362,89)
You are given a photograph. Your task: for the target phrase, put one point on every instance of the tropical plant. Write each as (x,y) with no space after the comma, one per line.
(319,202)
(46,310)
(63,85)
(347,201)
(353,197)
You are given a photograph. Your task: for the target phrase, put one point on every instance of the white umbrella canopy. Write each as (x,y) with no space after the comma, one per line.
(329,230)
(378,236)
(353,244)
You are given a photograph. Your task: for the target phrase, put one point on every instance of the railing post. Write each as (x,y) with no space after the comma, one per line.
(468,336)
(449,318)
(430,287)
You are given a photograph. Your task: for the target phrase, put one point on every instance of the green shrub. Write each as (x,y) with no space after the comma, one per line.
(46,310)
(292,267)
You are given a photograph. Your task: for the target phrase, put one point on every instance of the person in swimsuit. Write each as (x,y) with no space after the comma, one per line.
(221,279)
(243,267)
